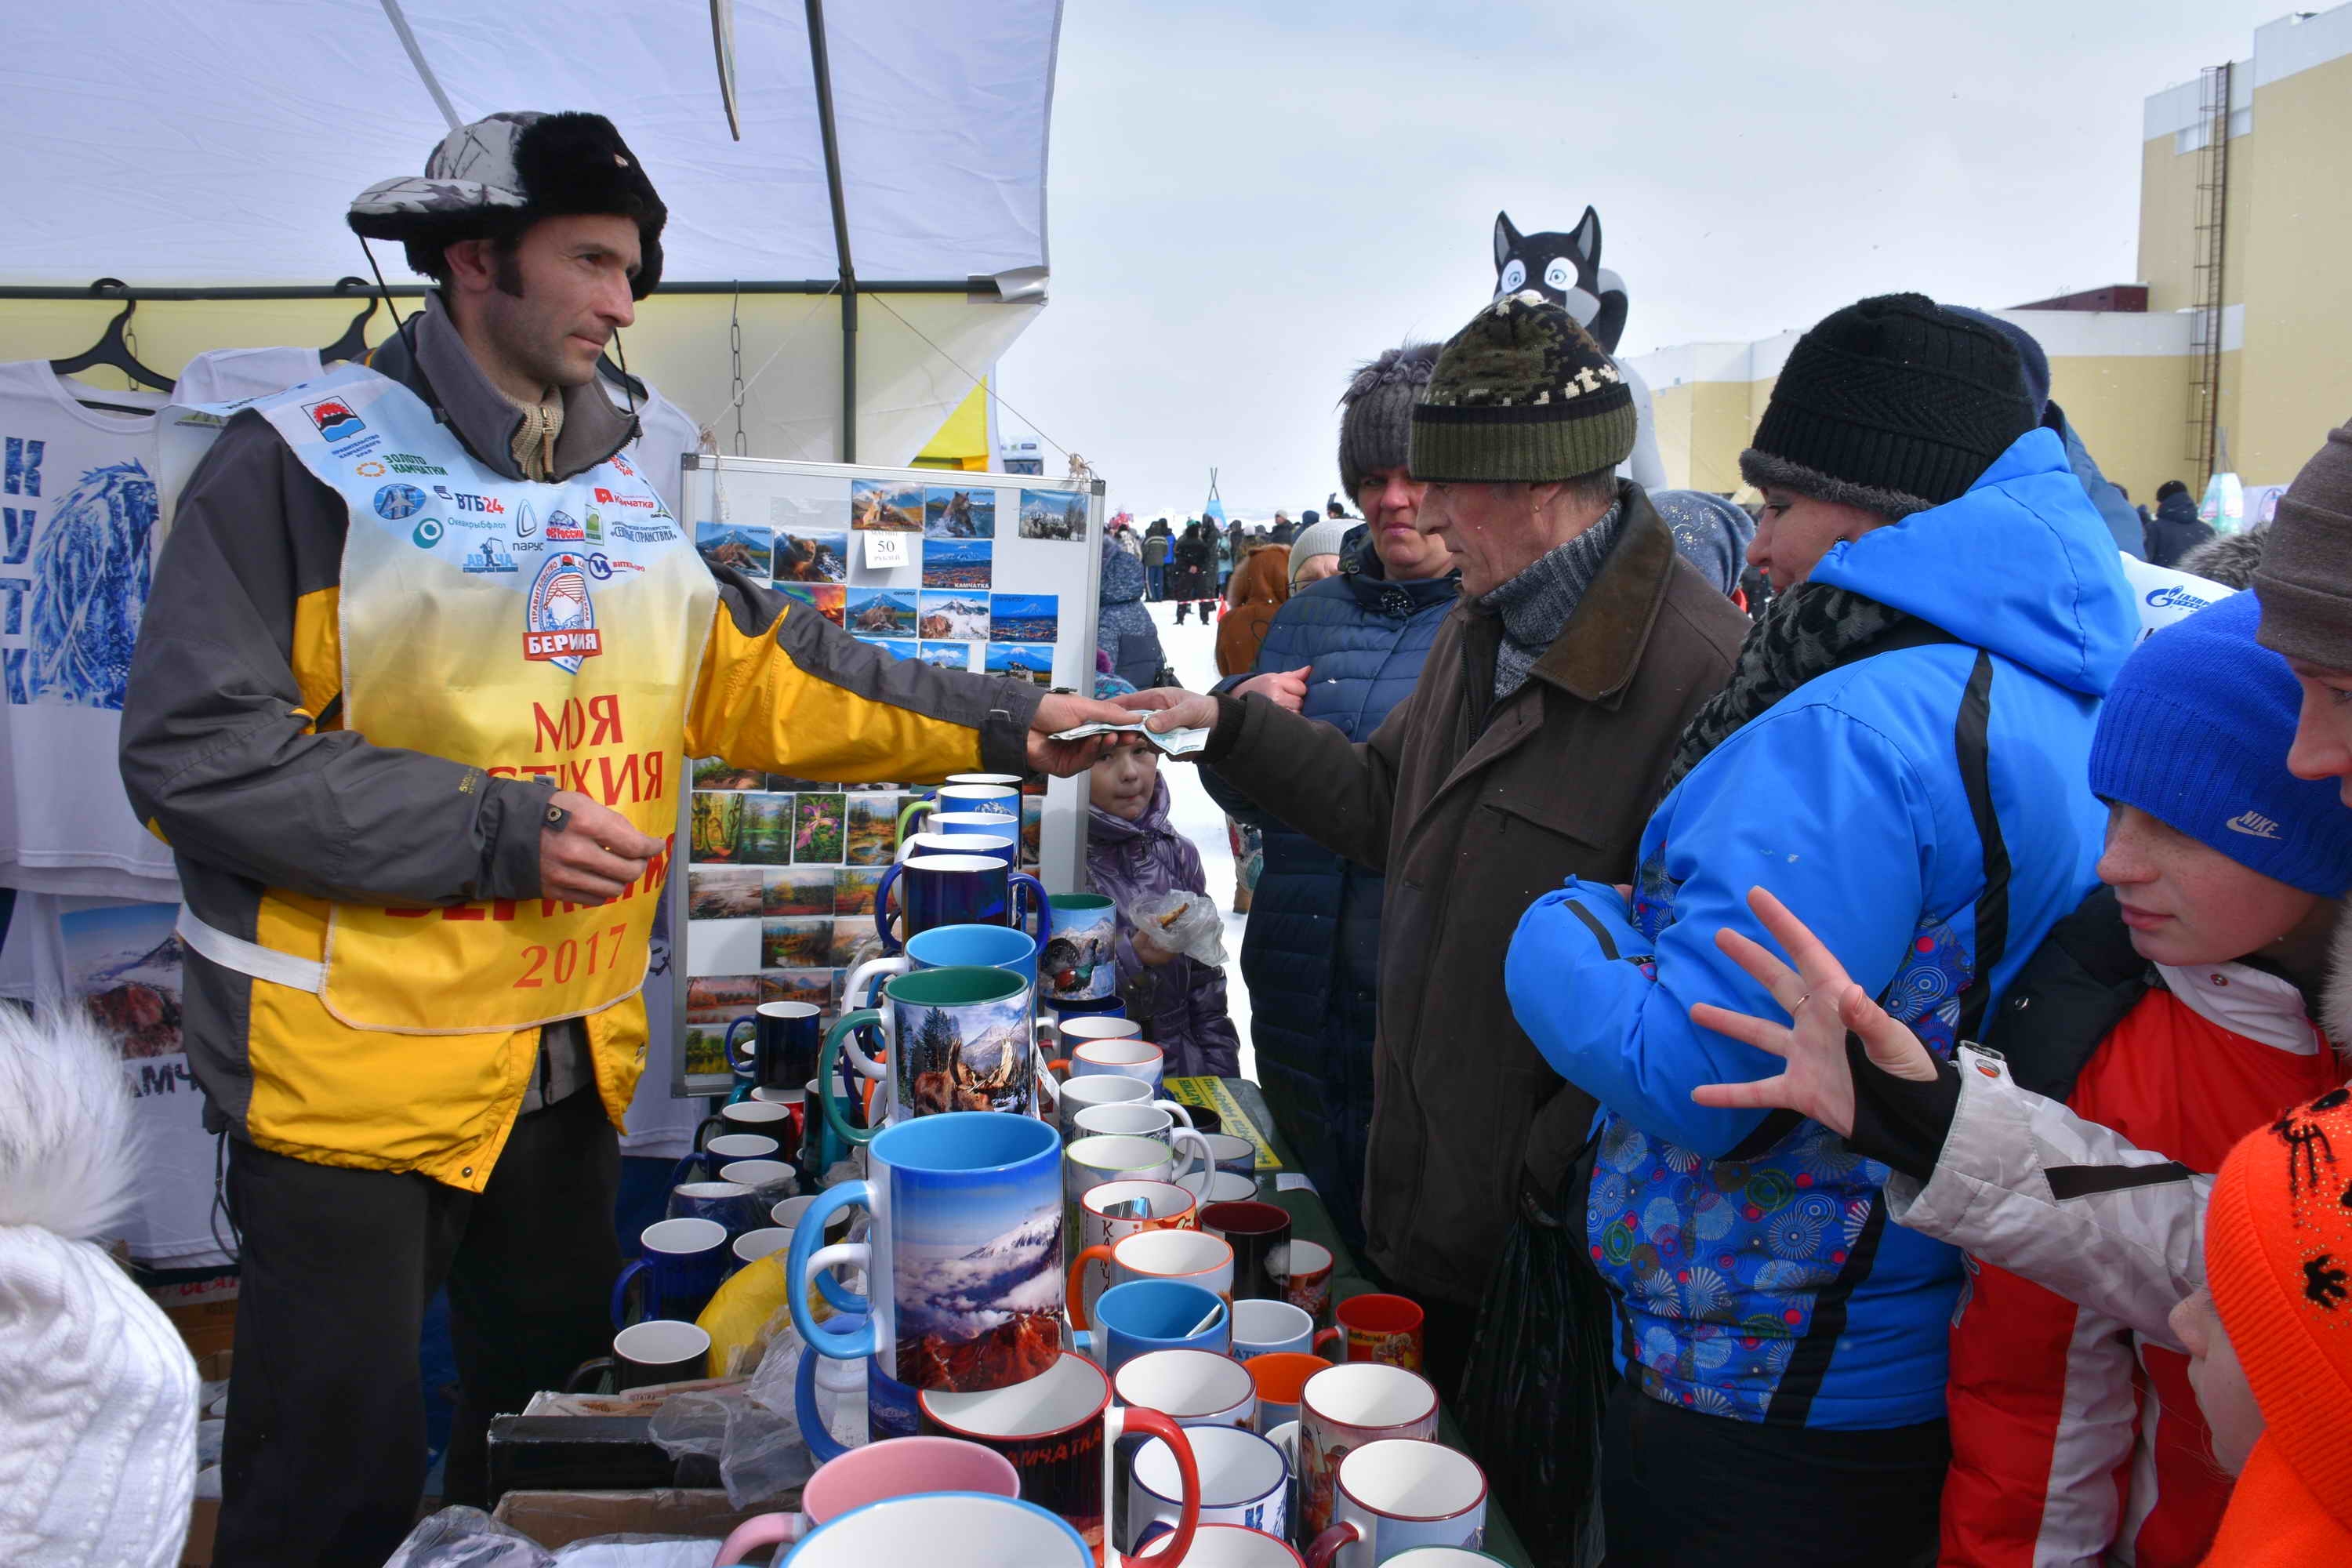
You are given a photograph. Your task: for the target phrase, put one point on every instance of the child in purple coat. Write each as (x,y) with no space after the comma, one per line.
(1133,853)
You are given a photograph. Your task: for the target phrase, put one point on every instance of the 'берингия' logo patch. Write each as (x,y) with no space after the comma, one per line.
(559,618)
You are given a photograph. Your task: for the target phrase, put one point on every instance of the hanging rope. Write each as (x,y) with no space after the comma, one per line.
(883,301)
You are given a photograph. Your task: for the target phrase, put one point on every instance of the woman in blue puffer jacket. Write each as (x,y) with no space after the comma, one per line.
(1902,752)
(1310,950)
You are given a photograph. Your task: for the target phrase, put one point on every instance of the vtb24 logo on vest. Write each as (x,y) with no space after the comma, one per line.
(559,618)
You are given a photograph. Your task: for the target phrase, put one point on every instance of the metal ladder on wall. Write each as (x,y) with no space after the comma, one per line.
(2211,212)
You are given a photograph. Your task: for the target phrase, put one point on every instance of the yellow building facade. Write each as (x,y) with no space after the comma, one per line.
(2128,381)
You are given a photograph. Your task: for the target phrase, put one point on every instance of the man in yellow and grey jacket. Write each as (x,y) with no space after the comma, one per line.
(422,662)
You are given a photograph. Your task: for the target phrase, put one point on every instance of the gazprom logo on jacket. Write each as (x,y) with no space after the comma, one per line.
(559,618)
(2173,597)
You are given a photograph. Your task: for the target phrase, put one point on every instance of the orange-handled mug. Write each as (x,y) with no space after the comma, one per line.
(1386,1329)
(1194,1257)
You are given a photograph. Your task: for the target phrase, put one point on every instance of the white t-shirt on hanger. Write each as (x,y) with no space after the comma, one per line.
(232,375)
(77,512)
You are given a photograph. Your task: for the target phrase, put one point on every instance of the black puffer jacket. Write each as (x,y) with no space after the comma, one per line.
(2176,530)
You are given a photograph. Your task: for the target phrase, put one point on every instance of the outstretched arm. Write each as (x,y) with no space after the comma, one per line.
(2014,1177)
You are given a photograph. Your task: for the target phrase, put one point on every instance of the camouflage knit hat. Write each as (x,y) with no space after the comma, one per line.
(516,167)
(1521,393)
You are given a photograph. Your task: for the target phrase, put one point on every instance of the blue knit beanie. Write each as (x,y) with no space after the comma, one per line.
(2195,733)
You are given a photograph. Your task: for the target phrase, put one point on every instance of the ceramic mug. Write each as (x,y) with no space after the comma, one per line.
(1125,1054)
(761,1118)
(1081,962)
(955,891)
(1147,1315)
(947,947)
(1431,1557)
(769,1180)
(680,1262)
(961,1259)
(954,1039)
(1308,1285)
(995,781)
(889,1404)
(784,1037)
(1088,1162)
(1116,1210)
(731,1204)
(1341,1409)
(1380,1328)
(1282,1377)
(1229,1546)
(1195,1257)
(703,1164)
(753,1244)
(644,1354)
(1194,1388)
(1260,1235)
(1074,1094)
(1218,1188)
(1398,1493)
(1234,1153)
(899,1467)
(1243,1479)
(1263,1328)
(1155,1119)
(1000,801)
(1003,848)
(945,1529)
(978,824)
(1060,1432)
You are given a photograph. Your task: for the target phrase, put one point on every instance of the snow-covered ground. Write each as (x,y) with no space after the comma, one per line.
(1191,648)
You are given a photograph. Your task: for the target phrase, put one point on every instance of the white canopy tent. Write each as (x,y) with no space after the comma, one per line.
(212,145)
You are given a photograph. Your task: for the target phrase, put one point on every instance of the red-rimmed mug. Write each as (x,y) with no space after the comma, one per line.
(1192,1256)
(1104,1218)
(1382,1327)
(1230,1546)
(1308,1285)
(1397,1494)
(1341,1409)
(1060,1432)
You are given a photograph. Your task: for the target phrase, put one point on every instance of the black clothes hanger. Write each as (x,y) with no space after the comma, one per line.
(353,344)
(112,349)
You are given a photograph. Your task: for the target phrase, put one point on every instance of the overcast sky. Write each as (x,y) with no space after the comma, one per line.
(1246,201)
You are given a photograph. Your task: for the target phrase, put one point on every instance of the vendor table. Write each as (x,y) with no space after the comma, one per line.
(1310,1221)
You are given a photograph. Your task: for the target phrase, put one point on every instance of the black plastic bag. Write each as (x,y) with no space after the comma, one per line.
(1538,1378)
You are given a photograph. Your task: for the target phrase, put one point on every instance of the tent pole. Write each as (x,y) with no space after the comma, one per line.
(416,58)
(821,66)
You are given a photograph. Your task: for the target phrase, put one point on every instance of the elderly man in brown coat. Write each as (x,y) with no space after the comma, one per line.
(1531,750)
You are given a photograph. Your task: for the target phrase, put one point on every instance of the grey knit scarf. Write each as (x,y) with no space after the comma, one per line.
(1808,631)
(1535,606)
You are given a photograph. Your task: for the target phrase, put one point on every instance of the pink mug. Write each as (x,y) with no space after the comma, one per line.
(897,1466)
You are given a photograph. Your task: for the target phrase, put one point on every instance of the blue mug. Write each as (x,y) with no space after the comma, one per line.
(733,1205)
(1145,1315)
(1000,801)
(963,1259)
(784,1040)
(946,947)
(985,824)
(704,1163)
(999,847)
(890,1408)
(958,891)
(1080,964)
(679,1266)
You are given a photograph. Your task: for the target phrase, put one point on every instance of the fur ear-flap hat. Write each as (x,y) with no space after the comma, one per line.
(516,166)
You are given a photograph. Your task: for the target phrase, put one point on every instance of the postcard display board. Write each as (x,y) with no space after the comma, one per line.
(995,573)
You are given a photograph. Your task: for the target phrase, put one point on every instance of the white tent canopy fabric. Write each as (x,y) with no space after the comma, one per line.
(188,142)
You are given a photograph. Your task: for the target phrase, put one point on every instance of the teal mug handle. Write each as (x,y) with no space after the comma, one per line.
(807,1250)
(828,1074)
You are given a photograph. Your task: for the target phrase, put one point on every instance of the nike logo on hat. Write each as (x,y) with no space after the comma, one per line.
(2253,824)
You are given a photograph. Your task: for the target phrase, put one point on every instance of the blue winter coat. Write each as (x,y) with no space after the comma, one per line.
(1311,950)
(1123,627)
(1756,1272)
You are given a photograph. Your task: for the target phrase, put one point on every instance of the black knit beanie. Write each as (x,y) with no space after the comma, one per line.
(1893,404)
(1522,395)
(1376,412)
